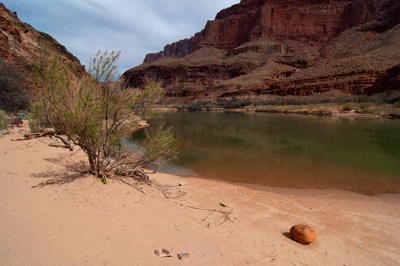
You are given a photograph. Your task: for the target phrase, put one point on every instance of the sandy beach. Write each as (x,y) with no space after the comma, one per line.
(80,221)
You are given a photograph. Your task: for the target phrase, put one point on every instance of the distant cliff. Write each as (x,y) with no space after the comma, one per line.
(177,49)
(283,47)
(313,21)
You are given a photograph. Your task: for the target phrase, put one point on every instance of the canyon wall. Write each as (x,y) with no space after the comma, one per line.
(21,47)
(282,47)
(177,49)
(313,21)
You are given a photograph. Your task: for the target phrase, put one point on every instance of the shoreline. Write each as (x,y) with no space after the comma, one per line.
(349,114)
(292,190)
(79,220)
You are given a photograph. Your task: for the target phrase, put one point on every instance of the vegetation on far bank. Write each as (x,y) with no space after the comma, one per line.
(378,104)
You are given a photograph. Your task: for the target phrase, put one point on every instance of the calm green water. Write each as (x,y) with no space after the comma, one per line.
(291,151)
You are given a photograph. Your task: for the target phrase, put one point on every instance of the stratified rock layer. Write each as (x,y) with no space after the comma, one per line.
(301,20)
(178,49)
(296,47)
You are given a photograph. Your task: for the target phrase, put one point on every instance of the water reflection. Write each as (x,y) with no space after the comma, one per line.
(290,151)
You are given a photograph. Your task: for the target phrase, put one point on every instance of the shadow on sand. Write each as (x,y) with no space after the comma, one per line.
(73,171)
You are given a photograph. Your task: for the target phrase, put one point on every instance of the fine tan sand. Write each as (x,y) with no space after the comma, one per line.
(80,221)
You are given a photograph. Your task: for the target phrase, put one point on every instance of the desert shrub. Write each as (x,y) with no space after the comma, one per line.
(24,115)
(366,105)
(96,113)
(396,104)
(348,106)
(4,119)
(40,120)
(13,94)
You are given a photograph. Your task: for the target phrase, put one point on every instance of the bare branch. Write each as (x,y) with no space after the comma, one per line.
(226,213)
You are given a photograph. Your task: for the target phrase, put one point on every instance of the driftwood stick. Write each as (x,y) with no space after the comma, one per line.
(71,148)
(29,136)
(59,145)
(136,173)
(32,135)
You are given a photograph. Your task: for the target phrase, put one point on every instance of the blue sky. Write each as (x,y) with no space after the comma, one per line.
(133,27)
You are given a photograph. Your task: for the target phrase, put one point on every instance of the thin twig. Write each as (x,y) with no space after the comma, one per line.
(207,216)
(167,193)
(126,182)
(199,208)
(226,213)
(226,218)
(180,193)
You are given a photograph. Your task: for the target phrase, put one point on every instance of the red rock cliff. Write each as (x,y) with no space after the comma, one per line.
(308,21)
(177,49)
(292,47)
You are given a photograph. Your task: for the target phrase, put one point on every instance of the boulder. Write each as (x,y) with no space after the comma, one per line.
(303,233)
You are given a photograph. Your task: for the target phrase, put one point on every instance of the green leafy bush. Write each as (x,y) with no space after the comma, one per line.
(96,113)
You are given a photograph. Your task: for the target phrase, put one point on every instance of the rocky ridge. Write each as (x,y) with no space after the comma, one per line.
(297,47)
(21,46)
(178,49)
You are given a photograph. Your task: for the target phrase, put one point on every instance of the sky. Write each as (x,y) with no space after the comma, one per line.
(131,26)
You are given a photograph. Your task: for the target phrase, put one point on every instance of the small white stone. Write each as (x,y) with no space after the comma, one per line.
(158,252)
(181,184)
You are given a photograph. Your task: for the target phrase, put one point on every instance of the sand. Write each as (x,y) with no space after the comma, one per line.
(81,221)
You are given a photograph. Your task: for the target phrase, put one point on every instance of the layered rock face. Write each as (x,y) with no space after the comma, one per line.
(21,46)
(177,49)
(301,20)
(389,81)
(277,20)
(297,47)
(359,12)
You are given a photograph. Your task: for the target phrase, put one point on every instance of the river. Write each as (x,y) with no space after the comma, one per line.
(291,151)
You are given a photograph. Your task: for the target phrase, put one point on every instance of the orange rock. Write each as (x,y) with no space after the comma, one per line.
(303,233)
